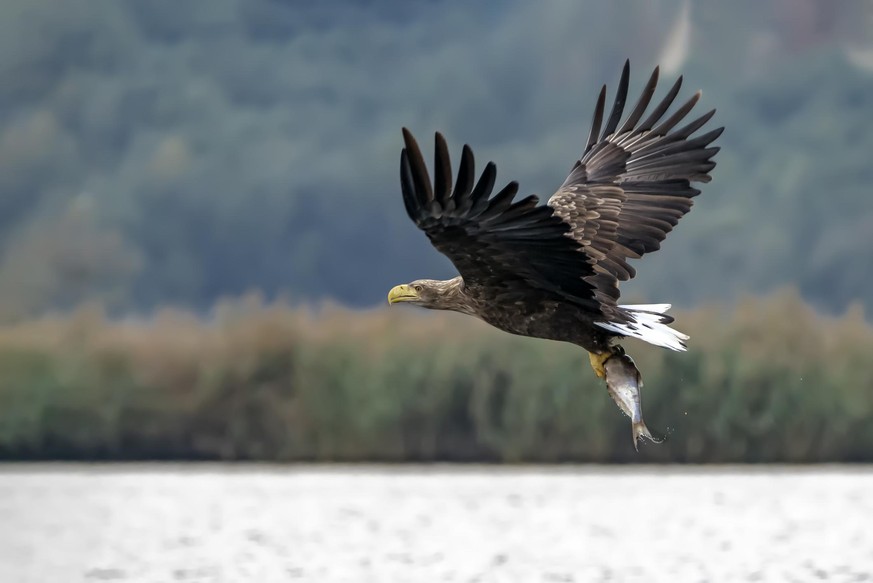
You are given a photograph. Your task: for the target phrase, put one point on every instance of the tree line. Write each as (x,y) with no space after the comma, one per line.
(162,154)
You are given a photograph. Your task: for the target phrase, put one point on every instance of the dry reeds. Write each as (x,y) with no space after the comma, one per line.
(770,380)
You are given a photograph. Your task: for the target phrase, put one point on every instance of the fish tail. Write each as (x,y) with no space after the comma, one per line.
(640,430)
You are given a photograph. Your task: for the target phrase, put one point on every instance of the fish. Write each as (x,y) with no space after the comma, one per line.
(623,381)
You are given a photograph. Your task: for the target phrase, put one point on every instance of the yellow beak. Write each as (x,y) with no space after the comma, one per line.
(402,293)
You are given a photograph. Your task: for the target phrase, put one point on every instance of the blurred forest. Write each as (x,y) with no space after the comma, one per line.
(213,179)
(156,153)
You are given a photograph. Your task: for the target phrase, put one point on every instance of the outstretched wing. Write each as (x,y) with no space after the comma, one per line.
(510,251)
(633,182)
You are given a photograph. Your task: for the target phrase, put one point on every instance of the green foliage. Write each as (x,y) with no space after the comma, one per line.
(234,144)
(768,381)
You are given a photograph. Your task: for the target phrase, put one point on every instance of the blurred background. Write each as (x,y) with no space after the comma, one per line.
(200,218)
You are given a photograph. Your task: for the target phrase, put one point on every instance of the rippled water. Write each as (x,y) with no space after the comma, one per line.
(360,524)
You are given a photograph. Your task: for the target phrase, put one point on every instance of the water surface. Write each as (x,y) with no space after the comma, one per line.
(405,524)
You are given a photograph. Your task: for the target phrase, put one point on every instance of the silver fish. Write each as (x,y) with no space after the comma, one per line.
(623,381)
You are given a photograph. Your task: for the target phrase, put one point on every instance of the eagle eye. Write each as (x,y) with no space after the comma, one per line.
(417,287)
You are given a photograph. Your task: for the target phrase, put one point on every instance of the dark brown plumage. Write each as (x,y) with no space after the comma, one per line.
(552,271)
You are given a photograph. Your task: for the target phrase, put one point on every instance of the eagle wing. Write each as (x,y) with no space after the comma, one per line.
(633,183)
(628,190)
(508,251)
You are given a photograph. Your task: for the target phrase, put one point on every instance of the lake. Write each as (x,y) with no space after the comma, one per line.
(237,523)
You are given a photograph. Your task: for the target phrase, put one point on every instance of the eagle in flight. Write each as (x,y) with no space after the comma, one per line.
(552,270)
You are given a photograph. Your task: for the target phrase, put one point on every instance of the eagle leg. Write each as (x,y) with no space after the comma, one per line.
(599,359)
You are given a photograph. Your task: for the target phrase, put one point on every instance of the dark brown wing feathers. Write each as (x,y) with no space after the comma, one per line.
(516,250)
(628,190)
(652,166)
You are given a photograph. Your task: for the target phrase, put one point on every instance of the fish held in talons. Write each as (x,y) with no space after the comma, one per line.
(623,381)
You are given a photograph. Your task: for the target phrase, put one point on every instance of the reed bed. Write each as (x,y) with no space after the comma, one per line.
(766,380)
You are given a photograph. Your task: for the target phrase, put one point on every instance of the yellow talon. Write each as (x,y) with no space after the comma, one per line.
(598,360)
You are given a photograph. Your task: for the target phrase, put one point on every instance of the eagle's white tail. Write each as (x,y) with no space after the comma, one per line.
(648,322)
